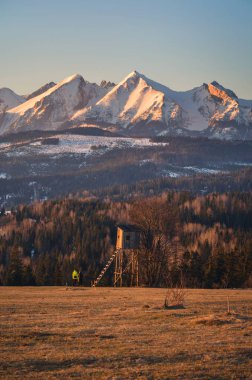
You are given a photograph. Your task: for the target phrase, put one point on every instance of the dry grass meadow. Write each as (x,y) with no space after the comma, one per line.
(123,333)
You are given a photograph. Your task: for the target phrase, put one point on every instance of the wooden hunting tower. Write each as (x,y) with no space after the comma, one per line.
(128,237)
(125,256)
(126,260)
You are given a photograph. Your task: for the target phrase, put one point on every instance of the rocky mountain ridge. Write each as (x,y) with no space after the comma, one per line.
(136,106)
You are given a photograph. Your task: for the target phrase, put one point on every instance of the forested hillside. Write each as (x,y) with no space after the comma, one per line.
(206,240)
(45,165)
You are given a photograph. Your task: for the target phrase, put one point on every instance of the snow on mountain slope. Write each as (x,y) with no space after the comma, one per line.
(136,106)
(138,100)
(131,102)
(40,90)
(53,108)
(229,109)
(185,114)
(8,99)
(209,105)
(77,144)
(192,103)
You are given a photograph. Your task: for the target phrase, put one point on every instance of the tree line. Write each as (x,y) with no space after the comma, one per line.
(205,240)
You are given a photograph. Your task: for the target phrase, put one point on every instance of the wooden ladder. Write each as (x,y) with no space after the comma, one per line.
(104,270)
(122,273)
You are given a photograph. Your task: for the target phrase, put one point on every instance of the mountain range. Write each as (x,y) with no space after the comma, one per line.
(137,106)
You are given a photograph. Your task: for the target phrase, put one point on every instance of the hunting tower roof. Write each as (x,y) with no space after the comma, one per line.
(128,227)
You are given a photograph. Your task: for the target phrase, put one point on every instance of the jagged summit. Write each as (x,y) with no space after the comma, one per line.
(71,78)
(222,90)
(107,84)
(9,99)
(133,74)
(136,105)
(215,83)
(134,102)
(138,100)
(53,108)
(40,90)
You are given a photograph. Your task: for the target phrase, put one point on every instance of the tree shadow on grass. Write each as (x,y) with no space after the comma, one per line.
(43,365)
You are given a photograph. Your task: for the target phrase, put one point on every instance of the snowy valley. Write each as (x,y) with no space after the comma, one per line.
(51,164)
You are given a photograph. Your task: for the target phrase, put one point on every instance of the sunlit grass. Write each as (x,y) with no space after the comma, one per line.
(104,333)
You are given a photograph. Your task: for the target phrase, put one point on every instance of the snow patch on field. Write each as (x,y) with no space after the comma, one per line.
(77,144)
(243,163)
(203,170)
(169,173)
(145,162)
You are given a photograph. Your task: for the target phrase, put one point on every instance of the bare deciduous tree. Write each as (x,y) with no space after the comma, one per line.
(175,296)
(158,223)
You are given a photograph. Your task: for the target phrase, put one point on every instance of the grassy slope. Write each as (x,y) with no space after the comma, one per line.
(102,333)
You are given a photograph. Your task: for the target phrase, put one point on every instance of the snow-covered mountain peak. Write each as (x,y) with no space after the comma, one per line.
(9,99)
(71,78)
(221,92)
(134,78)
(66,86)
(134,101)
(54,108)
(40,90)
(131,78)
(137,105)
(132,74)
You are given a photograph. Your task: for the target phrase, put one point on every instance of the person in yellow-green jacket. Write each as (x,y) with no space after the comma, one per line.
(75,277)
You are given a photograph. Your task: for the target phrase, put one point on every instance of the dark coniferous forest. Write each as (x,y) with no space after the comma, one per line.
(205,240)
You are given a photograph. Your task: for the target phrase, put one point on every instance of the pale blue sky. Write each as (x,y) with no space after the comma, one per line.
(181,43)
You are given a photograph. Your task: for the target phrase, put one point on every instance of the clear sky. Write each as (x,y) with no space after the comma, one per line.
(181,43)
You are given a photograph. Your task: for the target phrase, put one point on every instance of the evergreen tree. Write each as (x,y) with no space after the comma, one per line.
(58,277)
(15,269)
(28,276)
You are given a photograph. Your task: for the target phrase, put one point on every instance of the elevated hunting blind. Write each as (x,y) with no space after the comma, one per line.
(125,256)
(128,237)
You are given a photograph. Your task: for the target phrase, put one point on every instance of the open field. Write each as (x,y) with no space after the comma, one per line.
(106,333)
